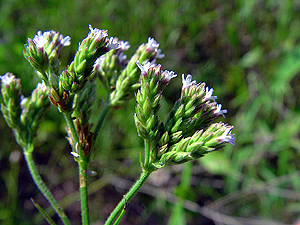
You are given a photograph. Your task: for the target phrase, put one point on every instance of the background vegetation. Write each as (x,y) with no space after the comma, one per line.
(248,51)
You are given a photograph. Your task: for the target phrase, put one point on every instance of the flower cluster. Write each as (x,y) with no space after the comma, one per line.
(110,65)
(23,115)
(129,79)
(189,131)
(42,53)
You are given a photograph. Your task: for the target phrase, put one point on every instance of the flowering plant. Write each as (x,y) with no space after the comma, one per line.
(188,133)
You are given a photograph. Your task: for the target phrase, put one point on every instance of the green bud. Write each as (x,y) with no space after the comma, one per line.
(176,126)
(53,81)
(151,122)
(175,137)
(164,139)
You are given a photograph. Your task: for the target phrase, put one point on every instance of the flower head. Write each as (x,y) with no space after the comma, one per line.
(188,81)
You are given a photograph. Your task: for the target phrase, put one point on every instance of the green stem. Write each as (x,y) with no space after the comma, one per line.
(133,190)
(72,128)
(106,109)
(82,166)
(85,218)
(42,186)
(147,154)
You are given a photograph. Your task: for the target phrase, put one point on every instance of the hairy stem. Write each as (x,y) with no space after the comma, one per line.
(42,186)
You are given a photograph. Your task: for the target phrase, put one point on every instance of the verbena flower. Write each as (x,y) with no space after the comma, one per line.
(97,33)
(124,45)
(188,81)
(22,114)
(144,68)
(218,110)
(127,81)
(208,95)
(39,39)
(112,44)
(189,131)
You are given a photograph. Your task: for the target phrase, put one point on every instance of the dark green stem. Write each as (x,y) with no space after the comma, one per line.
(147,154)
(133,190)
(106,109)
(82,164)
(42,186)
(83,193)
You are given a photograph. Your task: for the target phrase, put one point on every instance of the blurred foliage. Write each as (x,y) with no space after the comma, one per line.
(248,51)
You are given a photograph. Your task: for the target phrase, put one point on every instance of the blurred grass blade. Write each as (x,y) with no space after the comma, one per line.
(45,215)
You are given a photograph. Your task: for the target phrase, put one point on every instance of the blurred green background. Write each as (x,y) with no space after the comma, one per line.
(248,51)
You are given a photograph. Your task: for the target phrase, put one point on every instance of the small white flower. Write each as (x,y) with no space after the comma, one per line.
(122,57)
(152,44)
(159,55)
(41,86)
(145,67)
(113,43)
(208,95)
(76,155)
(218,110)
(168,75)
(188,81)
(7,78)
(66,41)
(227,136)
(23,102)
(98,62)
(99,34)
(124,45)
(39,39)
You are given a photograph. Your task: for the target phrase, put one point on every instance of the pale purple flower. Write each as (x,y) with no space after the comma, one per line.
(75,154)
(188,81)
(168,75)
(218,110)
(98,62)
(112,43)
(159,55)
(39,39)
(65,41)
(145,67)
(7,78)
(23,102)
(122,57)
(208,95)
(124,45)
(227,136)
(152,44)
(41,86)
(99,34)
